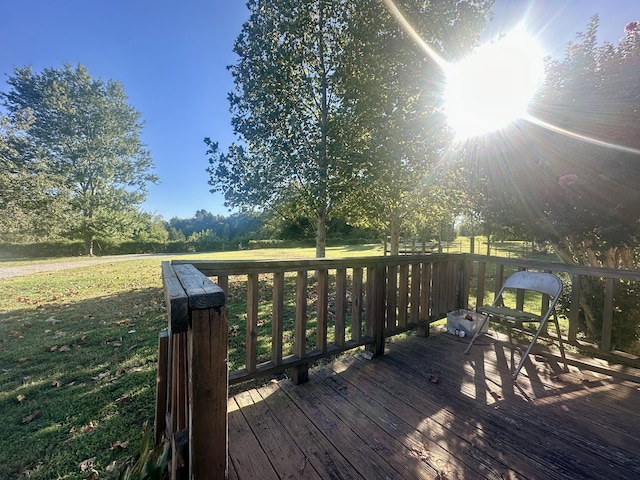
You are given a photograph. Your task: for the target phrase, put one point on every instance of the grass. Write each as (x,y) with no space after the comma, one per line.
(78,352)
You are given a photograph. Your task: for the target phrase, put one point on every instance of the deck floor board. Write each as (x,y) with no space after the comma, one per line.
(425,410)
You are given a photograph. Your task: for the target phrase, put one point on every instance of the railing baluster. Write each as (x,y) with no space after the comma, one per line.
(356,304)
(607,321)
(392,296)
(340,306)
(300,373)
(251,339)
(277,318)
(403,295)
(480,283)
(322,324)
(574,313)
(415,292)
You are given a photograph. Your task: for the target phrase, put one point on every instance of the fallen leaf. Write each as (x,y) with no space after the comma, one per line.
(50,348)
(102,375)
(92,476)
(119,444)
(16,334)
(89,427)
(64,348)
(21,398)
(83,338)
(56,383)
(87,464)
(52,320)
(31,418)
(22,360)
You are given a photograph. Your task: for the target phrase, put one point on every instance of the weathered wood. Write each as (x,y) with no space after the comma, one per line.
(201,292)
(375,309)
(262,447)
(607,320)
(392,296)
(356,304)
(277,318)
(179,382)
(576,286)
(175,299)
(251,337)
(300,373)
(208,393)
(161,387)
(480,286)
(180,455)
(415,293)
(340,307)
(321,310)
(425,411)
(403,295)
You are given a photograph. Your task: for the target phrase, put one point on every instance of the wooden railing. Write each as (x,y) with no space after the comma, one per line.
(371,298)
(316,308)
(484,275)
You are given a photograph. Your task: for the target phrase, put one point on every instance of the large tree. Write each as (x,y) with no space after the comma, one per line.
(284,105)
(84,138)
(395,91)
(332,107)
(571,177)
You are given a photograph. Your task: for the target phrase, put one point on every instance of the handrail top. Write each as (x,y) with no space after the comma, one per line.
(275,265)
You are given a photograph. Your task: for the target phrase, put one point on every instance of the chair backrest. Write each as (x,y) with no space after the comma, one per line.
(539,281)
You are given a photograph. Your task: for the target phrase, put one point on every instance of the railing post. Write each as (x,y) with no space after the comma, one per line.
(208,394)
(376,307)
(208,375)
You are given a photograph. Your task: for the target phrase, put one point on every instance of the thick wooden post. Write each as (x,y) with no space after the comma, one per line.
(376,307)
(208,394)
(208,377)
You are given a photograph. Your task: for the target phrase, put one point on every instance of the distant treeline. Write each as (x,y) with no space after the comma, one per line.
(204,232)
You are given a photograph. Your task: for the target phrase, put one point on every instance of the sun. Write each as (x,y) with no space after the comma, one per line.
(494,86)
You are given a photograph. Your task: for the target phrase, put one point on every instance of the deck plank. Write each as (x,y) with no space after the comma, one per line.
(387,418)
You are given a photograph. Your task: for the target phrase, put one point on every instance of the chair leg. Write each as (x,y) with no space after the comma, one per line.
(526,353)
(478,332)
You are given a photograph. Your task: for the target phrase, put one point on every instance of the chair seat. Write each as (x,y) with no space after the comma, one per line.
(510,314)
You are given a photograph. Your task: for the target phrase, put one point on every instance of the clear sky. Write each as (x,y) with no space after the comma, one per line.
(171,56)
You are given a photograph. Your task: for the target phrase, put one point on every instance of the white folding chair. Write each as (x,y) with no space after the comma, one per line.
(544,283)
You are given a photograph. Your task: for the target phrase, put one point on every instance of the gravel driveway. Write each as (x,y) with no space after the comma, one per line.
(8,272)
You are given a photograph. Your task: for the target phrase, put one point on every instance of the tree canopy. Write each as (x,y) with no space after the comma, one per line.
(571,176)
(76,149)
(325,93)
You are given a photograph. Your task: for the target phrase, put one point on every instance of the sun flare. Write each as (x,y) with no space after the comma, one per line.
(493,87)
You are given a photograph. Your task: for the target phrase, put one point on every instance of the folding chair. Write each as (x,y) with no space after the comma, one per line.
(544,283)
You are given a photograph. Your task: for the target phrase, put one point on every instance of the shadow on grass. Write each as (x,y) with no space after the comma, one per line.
(77,381)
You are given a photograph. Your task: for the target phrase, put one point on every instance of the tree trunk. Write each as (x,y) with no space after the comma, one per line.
(88,246)
(395,234)
(321,235)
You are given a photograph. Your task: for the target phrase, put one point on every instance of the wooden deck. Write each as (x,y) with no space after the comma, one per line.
(425,410)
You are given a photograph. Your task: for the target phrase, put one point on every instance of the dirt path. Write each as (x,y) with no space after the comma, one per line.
(9,272)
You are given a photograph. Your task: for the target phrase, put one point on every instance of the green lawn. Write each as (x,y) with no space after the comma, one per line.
(78,354)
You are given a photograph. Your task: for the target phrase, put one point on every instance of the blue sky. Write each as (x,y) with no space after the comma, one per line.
(171,57)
